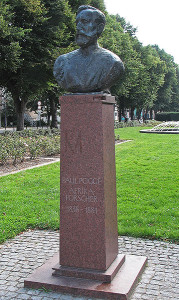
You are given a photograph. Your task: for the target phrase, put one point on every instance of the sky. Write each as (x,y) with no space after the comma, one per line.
(157,21)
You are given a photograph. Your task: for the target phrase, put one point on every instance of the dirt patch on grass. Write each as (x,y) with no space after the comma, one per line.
(27,163)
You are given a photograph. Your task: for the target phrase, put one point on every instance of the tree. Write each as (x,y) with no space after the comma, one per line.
(168,94)
(32,32)
(144,71)
(96,3)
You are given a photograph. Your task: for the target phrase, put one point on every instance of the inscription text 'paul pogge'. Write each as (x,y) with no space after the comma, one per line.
(82,180)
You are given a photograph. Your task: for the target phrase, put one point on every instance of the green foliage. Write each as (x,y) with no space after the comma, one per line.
(144,71)
(32,132)
(168,94)
(135,123)
(31,34)
(14,146)
(43,146)
(96,3)
(167,116)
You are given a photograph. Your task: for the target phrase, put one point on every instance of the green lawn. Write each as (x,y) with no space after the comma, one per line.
(29,199)
(148,184)
(147,190)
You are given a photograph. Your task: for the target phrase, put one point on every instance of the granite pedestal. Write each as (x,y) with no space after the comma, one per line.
(89,263)
(88,213)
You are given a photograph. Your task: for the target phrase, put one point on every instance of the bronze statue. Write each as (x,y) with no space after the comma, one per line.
(89,68)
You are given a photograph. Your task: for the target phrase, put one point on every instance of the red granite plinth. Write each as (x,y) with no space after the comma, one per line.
(88,208)
(104,276)
(89,264)
(120,288)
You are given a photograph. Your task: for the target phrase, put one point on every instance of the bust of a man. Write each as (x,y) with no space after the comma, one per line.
(89,68)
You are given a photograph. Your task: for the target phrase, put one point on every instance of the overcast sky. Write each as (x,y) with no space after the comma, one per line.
(157,21)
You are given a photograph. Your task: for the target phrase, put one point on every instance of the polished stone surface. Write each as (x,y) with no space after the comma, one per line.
(104,276)
(120,288)
(88,208)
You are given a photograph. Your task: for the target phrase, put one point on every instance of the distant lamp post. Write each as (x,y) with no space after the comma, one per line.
(39,112)
(5,115)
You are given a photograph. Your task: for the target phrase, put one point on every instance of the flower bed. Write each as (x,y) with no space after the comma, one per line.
(15,146)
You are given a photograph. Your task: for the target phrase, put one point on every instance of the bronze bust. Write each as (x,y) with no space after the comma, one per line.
(89,68)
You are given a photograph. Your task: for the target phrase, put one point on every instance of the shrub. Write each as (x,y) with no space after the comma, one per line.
(33,147)
(17,149)
(3,152)
(135,123)
(14,146)
(167,116)
(49,145)
(33,132)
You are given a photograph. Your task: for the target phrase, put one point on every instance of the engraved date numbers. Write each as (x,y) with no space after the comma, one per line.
(72,209)
(91,210)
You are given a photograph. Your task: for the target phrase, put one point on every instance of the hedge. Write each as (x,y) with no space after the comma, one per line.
(167,116)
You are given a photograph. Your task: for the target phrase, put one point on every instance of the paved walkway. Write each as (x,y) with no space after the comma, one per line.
(21,255)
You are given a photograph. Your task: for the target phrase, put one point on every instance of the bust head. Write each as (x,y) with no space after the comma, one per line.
(90,24)
(90,68)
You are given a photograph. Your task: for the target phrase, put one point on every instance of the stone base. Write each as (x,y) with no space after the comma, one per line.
(120,288)
(104,276)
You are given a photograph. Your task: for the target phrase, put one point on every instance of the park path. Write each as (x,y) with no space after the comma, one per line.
(29,250)
(31,164)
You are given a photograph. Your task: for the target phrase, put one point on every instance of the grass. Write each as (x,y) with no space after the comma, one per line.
(147,190)
(147,185)
(29,199)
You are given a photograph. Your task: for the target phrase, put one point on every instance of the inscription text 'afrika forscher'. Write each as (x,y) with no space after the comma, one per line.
(84,193)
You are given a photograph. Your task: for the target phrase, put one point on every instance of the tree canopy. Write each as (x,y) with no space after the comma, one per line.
(32,33)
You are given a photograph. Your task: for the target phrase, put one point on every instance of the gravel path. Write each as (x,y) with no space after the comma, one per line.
(21,255)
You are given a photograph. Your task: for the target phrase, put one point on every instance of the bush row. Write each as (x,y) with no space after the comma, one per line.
(167,116)
(16,148)
(33,133)
(135,123)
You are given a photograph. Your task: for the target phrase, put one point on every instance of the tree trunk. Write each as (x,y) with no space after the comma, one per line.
(139,114)
(48,116)
(120,102)
(20,106)
(132,113)
(118,109)
(53,110)
(151,114)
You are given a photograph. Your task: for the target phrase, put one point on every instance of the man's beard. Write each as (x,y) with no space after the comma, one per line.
(83,40)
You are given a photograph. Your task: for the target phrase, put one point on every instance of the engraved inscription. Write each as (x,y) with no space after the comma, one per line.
(91,210)
(73,142)
(82,180)
(81,195)
(83,198)
(75,209)
(72,209)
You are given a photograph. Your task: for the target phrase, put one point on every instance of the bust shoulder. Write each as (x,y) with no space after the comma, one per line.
(110,59)
(80,71)
(61,61)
